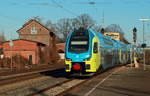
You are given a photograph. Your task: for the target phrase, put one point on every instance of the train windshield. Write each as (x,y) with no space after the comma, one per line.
(79,42)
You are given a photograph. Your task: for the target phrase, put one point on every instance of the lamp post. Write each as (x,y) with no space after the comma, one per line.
(143,20)
(11,45)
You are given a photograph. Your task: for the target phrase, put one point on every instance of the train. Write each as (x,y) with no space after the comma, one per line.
(88,52)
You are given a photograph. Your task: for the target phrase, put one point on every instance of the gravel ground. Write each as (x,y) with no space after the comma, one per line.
(59,89)
(8,71)
(31,86)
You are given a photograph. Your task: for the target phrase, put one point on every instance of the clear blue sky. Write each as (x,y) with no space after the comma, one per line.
(14,13)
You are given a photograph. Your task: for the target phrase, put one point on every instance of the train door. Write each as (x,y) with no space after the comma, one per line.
(122,56)
(102,58)
(114,61)
(108,57)
(30,59)
(111,55)
(96,55)
(117,53)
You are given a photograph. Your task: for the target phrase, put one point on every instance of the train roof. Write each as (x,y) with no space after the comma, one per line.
(112,42)
(105,41)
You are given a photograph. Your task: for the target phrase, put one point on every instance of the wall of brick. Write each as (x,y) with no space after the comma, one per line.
(41,36)
(23,48)
(25,54)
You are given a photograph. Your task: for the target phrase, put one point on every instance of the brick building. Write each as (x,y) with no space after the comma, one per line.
(31,50)
(36,45)
(34,31)
(61,50)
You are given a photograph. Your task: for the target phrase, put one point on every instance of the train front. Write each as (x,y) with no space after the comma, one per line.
(78,56)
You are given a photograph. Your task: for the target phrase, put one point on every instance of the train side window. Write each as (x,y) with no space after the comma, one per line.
(95,49)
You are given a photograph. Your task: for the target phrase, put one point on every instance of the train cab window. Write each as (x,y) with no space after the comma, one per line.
(78,46)
(79,42)
(95,48)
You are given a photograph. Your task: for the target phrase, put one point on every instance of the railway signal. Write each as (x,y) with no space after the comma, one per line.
(134,34)
(134,50)
(143,45)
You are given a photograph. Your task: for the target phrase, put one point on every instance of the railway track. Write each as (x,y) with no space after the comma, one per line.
(23,85)
(60,88)
(43,84)
(65,87)
(38,83)
(24,76)
(4,74)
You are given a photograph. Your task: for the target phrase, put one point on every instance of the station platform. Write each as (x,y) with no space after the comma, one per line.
(120,81)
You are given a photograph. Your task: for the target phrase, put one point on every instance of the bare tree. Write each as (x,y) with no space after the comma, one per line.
(2,37)
(51,26)
(64,26)
(84,20)
(114,28)
(97,28)
(38,18)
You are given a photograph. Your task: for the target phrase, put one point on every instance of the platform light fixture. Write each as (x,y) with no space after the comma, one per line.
(143,20)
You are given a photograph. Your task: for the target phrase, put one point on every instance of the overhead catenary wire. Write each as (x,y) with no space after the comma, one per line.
(11,25)
(8,20)
(65,9)
(44,4)
(102,19)
(10,17)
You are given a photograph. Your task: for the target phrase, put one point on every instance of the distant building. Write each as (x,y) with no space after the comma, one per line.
(113,35)
(34,31)
(116,36)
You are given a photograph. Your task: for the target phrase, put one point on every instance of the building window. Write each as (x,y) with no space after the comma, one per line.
(33,30)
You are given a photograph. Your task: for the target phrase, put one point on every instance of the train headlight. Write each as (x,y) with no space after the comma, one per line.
(67,67)
(87,66)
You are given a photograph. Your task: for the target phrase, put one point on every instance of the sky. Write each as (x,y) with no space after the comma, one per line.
(126,13)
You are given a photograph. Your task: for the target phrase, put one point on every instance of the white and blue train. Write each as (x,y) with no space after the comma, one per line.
(88,51)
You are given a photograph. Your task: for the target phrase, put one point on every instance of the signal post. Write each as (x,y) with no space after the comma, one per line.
(135,58)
